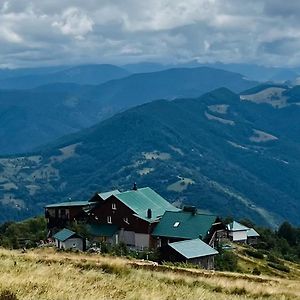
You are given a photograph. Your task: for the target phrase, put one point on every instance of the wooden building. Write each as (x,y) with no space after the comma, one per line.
(135,213)
(192,251)
(59,215)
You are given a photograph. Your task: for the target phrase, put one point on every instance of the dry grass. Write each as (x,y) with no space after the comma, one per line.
(45,274)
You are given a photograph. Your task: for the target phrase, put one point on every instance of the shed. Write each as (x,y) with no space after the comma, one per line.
(194,251)
(68,239)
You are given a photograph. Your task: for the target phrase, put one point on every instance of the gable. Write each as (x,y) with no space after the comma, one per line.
(139,201)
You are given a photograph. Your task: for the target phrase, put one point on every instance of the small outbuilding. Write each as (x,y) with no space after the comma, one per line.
(68,239)
(193,251)
(237,232)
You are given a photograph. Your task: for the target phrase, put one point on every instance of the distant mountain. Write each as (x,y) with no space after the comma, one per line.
(19,72)
(224,155)
(85,74)
(251,71)
(29,118)
(146,67)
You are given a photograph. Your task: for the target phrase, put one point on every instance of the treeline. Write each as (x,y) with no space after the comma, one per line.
(25,234)
(284,242)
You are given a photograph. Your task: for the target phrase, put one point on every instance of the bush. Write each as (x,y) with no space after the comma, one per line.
(256,271)
(8,295)
(226,261)
(255,254)
(273,259)
(279,267)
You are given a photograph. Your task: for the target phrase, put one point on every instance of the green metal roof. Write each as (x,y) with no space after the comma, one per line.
(102,229)
(193,248)
(64,234)
(142,199)
(252,233)
(69,204)
(184,225)
(236,226)
(106,195)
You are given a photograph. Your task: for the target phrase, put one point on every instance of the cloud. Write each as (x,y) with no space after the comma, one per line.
(75,23)
(58,32)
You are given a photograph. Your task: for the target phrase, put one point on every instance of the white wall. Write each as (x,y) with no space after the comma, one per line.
(142,240)
(239,235)
(127,237)
(74,243)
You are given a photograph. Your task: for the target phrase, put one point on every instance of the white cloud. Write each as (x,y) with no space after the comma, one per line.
(75,23)
(53,31)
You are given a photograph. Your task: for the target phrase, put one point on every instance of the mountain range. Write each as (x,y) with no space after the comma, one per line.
(32,117)
(226,153)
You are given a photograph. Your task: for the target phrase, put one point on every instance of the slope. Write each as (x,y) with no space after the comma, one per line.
(225,156)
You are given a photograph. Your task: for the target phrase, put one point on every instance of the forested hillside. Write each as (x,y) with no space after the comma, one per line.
(224,155)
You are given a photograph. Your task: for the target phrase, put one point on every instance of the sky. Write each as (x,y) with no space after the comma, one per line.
(53,32)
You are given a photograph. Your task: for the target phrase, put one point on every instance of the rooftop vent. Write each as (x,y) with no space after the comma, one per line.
(191,209)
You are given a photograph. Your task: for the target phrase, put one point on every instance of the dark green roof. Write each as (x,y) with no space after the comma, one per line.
(98,230)
(70,204)
(193,248)
(64,234)
(185,225)
(142,199)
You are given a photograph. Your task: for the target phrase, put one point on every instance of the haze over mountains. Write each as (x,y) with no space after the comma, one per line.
(32,117)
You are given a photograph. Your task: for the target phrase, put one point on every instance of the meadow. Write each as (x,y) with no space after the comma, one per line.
(48,274)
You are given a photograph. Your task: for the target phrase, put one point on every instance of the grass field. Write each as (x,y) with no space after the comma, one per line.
(47,274)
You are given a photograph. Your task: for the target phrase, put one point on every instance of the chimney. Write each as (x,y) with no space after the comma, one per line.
(134,187)
(191,209)
(149,213)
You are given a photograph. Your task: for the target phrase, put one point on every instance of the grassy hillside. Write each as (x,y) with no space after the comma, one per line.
(45,274)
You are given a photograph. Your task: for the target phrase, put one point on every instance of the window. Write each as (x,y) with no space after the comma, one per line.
(176,224)
(113,206)
(109,219)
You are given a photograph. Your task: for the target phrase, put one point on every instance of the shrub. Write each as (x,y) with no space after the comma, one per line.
(256,271)
(272,258)
(226,261)
(279,267)
(255,254)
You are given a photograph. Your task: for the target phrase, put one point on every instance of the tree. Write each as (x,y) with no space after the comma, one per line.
(287,232)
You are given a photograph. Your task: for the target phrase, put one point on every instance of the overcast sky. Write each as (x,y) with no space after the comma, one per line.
(52,32)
